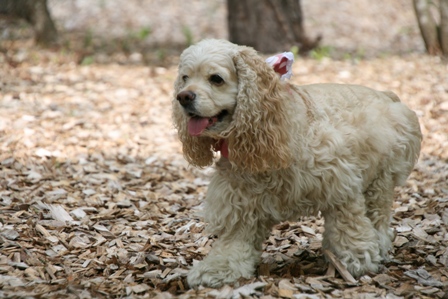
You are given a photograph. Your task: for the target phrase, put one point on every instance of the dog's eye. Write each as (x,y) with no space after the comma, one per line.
(185,78)
(216,79)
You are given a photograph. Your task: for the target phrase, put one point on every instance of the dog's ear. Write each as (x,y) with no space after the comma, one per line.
(258,137)
(198,151)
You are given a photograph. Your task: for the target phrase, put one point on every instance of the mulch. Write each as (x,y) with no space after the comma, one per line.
(96,200)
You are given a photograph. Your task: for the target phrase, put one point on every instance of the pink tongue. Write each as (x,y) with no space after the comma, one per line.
(197,125)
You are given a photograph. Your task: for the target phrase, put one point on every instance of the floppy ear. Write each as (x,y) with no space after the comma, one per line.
(198,151)
(258,137)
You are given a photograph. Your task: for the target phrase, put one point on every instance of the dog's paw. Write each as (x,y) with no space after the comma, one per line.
(359,267)
(204,275)
(359,264)
(385,240)
(214,272)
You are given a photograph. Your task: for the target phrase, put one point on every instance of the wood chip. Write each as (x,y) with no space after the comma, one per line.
(342,270)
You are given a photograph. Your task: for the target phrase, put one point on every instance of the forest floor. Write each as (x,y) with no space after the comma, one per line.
(96,200)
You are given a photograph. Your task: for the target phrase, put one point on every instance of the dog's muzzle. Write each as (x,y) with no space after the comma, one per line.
(186,98)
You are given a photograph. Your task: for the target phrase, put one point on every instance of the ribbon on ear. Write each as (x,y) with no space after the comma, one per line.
(282,64)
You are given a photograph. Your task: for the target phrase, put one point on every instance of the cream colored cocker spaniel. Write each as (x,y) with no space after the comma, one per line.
(289,151)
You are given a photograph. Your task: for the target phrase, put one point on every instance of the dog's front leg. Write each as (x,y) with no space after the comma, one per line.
(241,229)
(226,263)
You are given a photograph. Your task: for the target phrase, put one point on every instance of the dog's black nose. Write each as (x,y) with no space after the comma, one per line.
(186,97)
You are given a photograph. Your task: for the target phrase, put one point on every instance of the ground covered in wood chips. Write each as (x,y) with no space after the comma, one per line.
(96,200)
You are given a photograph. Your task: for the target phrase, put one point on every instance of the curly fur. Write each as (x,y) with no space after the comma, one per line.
(256,137)
(197,151)
(293,151)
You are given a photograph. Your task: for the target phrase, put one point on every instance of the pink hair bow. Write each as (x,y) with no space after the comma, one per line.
(282,64)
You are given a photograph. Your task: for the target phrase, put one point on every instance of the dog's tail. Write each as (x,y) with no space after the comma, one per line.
(392,96)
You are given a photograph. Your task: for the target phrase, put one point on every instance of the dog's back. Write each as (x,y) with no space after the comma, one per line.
(373,121)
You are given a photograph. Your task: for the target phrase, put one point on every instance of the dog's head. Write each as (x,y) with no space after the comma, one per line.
(228,92)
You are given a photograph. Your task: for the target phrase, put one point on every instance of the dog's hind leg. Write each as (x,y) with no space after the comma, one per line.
(379,198)
(350,235)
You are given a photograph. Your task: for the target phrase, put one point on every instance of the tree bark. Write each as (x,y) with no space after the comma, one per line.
(428,26)
(268,25)
(34,12)
(444,26)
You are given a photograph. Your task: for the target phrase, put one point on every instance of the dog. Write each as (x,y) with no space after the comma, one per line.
(289,151)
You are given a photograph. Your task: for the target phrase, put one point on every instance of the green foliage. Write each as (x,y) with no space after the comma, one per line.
(188,34)
(144,33)
(88,39)
(321,52)
(125,44)
(161,54)
(360,53)
(141,34)
(295,50)
(357,56)
(133,39)
(88,60)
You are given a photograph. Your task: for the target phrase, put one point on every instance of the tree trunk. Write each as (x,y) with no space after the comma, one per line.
(268,25)
(444,26)
(34,12)
(428,26)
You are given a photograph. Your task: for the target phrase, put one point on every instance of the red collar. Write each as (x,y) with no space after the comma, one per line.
(222,146)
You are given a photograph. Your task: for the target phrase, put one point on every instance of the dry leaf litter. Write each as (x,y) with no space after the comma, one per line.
(96,200)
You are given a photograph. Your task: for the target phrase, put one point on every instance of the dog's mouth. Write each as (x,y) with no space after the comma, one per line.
(198,124)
